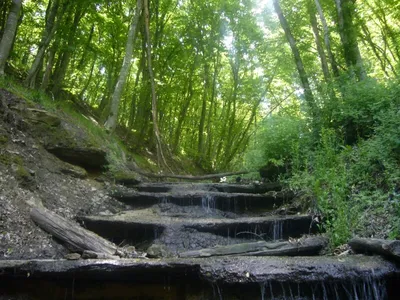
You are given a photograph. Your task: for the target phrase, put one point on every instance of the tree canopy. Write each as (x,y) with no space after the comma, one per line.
(282,81)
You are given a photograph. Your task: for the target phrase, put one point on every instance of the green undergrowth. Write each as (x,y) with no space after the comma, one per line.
(349,174)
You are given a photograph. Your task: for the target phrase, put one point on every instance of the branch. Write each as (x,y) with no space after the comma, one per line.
(191,177)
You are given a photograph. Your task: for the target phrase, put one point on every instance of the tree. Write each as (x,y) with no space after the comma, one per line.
(297,58)
(327,40)
(156,130)
(10,31)
(47,36)
(116,97)
(348,36)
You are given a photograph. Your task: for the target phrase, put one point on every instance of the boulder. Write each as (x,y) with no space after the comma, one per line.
(87,157)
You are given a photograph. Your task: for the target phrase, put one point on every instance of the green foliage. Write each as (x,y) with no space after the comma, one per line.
(275,140)
(355,115)
(325,180)
(356,187)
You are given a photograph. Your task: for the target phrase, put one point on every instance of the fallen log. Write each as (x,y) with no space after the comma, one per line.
(71,233)
(87,254)
(307,246)
(190,177)
(383,247)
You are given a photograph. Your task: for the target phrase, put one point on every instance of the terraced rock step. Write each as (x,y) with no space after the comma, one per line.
(234,202)
(150,223)
(217,187)
(352,277)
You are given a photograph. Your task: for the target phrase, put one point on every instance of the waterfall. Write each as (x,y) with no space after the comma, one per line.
(366,289)
(208,203)
(277,230)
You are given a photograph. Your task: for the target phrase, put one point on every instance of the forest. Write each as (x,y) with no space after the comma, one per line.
(310,87)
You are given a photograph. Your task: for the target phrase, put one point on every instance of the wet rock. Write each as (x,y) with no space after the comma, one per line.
(157,251)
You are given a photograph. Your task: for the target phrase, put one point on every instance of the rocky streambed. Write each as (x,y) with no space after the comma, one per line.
(173,223)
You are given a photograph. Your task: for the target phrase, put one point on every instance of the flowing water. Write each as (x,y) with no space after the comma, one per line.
(365,289)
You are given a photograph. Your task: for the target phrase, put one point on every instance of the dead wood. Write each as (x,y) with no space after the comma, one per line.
(190,177)
(71,233)
(308,246)
(383,247)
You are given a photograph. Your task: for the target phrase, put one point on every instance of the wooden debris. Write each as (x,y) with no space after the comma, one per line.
(383,247)
(72,256)
(308,246)
(189,177)
(87,254)
(71,233)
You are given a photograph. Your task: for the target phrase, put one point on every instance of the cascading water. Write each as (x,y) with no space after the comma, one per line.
(366,289)
(277,230)
(208,203)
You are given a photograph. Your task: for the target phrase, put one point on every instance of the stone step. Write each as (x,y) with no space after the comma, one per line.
(233,202)
(149,224)
(350,277)
(167,187)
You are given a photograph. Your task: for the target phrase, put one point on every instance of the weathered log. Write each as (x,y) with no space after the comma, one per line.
(87,254)
(308,246)
(71,233)
(189,177)
(386,248)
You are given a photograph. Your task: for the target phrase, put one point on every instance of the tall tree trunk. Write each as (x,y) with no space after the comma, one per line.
(85,87)
(4,8)
(9,34)
(212,106)
(206,85)
(348,36)
(47,35)
(64,58)
(296,54)
(111,122)
(183,111)
(160,153)
(49,67)
(320,49)
(331,56)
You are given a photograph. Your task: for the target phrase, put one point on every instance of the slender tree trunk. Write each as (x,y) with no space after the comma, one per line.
(200,143)
(189,96)
(348,35)
(85,87)
(60,72)
(47,36)
(318,43)
(296,54)
(49,67)
(212,106)
(9,34)
(111,122)
(331,56)
(375,49)
(156,130)
(4,8)
(387,31)
(231,134)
